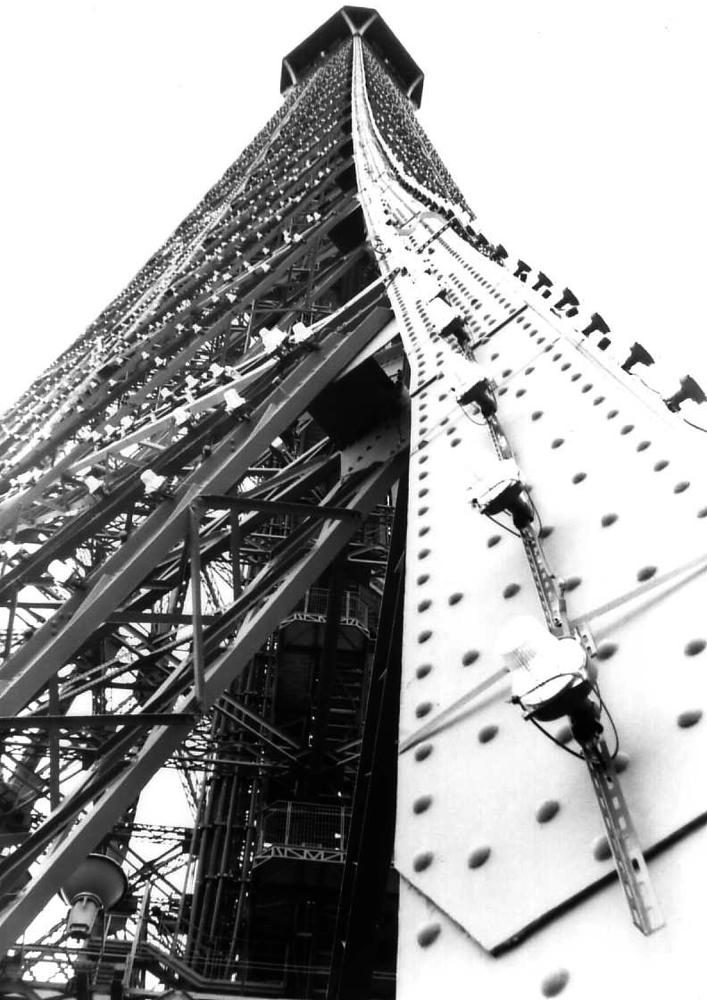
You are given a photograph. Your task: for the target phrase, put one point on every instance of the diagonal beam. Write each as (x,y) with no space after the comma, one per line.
(72,848)
(24,674)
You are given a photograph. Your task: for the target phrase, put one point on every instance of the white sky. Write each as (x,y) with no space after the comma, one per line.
(575,130)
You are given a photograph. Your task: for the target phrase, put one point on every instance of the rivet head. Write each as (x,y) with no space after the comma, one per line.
(609,519)
(579,477)
(621,762)
(659,466)
(681,487)
(694,647)
(536,415)
(455,598)
(555,983)
(422,861)
(547,811)
(423,803)
(423,751)
(601,849)
(479,856)
(545,531)
(494,540)
(646,572)
(689,718)
(511,590)
(571,583)
(487,733)
(424,636)
(471,656)
(423,670)
(429,934)
(423,709)
(606,650)
(424,605)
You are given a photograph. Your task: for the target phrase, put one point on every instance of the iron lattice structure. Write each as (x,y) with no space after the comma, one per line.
(205,507)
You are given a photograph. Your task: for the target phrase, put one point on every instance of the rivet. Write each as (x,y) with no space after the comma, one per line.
(455,598)
(609,519)
(423,751)
(479,857)
(642,445)
(423,531)
(694,647)
(556,357)
(424,636)
(471,656)
(495,539)
(681,487)
(646,573)
(423,579)
(627,428)
(519,393)
(689,718)
(423,670)
(577,375)
(487,733)
(571,583)
(428,935)
(422,861)
(598,400)
(601,849)
(557,443)
(611,414)
(424,475)
(587,387)
(621,762)
(423,493)
(423,553)
(547,811)
(579,477)
(502,391)
(511,590)
(423,510)
(423,459)
(702,513)
(529,371)
(565,366)
(545,531)
(506,372)
(555,983)
(423,709)
(662,464)
(423,803)
(606,650)
(536,415)
(456,441)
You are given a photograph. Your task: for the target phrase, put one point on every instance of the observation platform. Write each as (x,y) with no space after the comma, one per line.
(347,22)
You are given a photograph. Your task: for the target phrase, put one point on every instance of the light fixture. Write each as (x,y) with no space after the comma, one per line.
(499,487)
(549,676)
(99,883)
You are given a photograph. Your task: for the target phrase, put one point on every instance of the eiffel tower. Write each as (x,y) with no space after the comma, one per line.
(369,539)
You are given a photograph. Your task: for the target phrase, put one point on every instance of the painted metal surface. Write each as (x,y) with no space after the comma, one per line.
(498,828)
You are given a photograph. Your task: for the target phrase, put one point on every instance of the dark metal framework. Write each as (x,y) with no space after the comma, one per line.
(198,573)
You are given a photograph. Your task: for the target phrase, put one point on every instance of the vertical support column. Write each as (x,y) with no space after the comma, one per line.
(196,616)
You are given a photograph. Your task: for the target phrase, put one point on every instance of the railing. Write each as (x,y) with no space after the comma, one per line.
(303,830)
(313,607)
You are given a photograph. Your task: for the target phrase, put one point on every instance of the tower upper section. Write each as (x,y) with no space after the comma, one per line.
(349,21)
